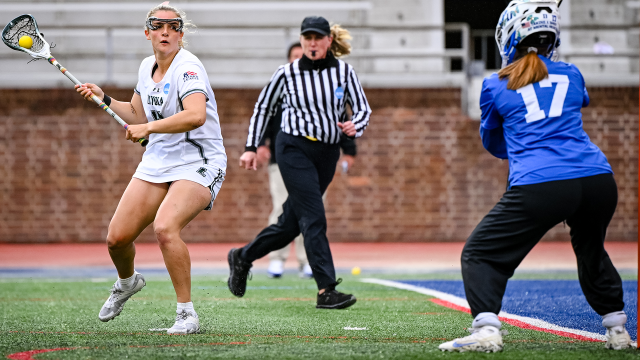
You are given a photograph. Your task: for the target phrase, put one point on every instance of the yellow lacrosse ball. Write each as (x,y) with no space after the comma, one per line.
(26,42)
(355,271)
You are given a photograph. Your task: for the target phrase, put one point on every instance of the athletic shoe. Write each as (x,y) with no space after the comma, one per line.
(114,304)
(238,272)
(186,323)
(334,299)
(306,273)
(484,339)
(617,338)
(276,268)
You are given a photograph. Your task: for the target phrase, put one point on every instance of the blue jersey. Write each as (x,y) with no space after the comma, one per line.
(539,127)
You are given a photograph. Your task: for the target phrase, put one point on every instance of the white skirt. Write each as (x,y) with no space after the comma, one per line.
(208,176)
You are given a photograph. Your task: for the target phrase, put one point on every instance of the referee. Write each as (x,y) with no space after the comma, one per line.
(313,93)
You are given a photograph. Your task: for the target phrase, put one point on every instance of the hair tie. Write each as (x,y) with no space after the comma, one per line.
(532,49)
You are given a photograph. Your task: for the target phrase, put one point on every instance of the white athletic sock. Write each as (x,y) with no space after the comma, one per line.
(616,318)
(487,318)
(126,284)
(188,306)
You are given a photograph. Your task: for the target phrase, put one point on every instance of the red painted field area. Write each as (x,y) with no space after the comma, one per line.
(407,256)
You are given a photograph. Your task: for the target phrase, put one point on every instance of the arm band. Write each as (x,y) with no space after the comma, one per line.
(107,100)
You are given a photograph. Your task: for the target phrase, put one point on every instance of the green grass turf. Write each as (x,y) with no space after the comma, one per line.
(276,319)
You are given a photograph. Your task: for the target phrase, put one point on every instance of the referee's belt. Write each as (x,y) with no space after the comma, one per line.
(311,138)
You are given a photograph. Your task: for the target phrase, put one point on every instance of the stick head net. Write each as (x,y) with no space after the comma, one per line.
(25,25)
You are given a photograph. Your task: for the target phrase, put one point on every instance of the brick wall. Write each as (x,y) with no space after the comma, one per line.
(421,173)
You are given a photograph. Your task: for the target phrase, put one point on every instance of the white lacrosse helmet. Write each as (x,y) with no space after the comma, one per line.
(522,18)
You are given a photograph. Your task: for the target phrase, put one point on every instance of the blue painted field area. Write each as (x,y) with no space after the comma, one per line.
(559,302)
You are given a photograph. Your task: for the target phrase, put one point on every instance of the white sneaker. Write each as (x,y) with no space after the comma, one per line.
(306,273)
(617,338)
(115,303)
(276,268)
(186,323)
(484,339)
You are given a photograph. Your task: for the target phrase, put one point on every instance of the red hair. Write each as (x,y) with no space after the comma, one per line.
(524,71)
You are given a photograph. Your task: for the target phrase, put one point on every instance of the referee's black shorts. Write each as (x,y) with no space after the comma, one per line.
(520,219)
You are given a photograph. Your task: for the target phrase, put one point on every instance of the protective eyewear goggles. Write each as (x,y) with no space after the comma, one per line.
(154,23)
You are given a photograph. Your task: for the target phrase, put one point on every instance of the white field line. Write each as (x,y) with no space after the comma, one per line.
(463,303)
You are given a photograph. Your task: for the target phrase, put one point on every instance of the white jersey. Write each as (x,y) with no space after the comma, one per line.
(168,154)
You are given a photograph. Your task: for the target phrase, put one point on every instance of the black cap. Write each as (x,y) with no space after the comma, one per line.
(316,24)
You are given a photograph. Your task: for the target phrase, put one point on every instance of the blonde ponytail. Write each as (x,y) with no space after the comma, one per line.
(340,47)
(527,70)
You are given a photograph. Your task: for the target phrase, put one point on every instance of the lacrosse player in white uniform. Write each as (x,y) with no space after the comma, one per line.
(181,171)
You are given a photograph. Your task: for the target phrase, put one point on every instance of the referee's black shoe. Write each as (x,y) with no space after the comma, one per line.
(238,272)
(334,299)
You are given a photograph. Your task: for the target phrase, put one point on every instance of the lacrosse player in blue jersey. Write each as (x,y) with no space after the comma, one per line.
(531,116)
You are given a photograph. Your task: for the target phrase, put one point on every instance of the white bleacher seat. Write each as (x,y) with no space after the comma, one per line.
(397,43)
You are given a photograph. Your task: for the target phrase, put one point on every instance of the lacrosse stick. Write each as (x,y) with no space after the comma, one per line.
(25,26)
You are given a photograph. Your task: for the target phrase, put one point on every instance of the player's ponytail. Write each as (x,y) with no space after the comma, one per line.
(340,46)
(527,70)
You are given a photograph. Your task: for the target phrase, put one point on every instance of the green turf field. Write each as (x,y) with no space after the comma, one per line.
(276,319)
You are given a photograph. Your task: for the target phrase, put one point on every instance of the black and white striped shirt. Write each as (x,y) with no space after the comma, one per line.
(313,95)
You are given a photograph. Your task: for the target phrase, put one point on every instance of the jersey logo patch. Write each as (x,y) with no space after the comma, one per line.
(339,92)
(190,75)
(166,88)
(202,171)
